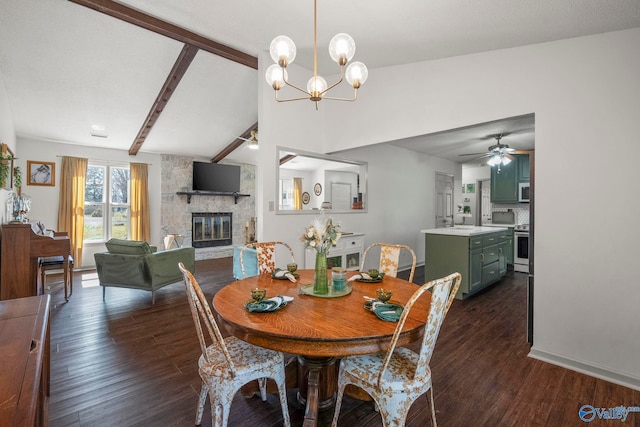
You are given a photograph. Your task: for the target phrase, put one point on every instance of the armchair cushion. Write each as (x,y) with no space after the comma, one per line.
(128,247)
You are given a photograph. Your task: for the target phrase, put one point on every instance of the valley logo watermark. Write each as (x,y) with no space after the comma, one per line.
(588,413)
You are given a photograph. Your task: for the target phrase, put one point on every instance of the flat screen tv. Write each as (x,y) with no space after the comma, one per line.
(216,177)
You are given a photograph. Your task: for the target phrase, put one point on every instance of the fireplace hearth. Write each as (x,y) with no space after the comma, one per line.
(211,229)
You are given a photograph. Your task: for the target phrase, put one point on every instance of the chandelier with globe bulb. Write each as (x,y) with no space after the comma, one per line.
(341,49)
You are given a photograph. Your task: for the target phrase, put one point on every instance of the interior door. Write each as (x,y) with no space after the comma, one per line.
(444,200)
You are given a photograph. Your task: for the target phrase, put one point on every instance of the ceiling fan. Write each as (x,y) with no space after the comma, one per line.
(499,154)
(253,141)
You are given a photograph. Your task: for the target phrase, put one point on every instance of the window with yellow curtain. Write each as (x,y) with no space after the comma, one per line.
(71,204)
(140,212)
(297,194)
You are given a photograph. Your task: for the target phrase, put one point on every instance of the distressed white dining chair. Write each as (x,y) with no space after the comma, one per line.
(390,258)
(266,253)
(397,377)
(226,364)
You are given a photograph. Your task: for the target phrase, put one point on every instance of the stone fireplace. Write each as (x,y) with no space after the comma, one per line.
(177,212)
(210,229)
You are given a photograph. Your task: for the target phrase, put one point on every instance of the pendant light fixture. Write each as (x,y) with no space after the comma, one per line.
(341,49)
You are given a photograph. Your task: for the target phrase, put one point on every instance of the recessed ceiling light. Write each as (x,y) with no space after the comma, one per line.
(99,131)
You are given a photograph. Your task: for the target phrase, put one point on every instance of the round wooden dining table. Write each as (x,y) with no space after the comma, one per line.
(319,329)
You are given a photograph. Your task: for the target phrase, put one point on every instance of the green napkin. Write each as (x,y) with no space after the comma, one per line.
(264,305)
(271,304)
(388,312)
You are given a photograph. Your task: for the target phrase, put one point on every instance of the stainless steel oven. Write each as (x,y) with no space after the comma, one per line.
(521,248)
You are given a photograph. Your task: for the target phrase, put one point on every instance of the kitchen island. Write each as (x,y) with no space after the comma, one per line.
(478,253)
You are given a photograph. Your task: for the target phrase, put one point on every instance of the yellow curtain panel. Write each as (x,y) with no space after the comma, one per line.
(140,212)
(71,205)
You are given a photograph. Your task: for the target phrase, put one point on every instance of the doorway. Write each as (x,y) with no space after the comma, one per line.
(444,200)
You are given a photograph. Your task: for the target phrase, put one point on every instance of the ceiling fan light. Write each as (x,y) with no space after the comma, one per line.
(493,160)
(357,74)
(253,144)
(282,50)
(342,48)
(505,160)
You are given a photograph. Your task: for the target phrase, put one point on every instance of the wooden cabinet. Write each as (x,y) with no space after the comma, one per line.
(24,371)
(504,181)
(480,259)
(346,253)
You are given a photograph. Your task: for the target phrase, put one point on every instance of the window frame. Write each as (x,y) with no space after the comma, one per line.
(107,204)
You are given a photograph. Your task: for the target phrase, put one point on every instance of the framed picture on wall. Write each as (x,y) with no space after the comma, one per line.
(41,173)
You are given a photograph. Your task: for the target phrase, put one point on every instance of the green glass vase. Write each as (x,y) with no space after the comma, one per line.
(320,282)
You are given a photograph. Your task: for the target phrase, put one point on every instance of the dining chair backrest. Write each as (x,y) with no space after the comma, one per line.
(443,292)
(266,253)
(204,320)
(390,258)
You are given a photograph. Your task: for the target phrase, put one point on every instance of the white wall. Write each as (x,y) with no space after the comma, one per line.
(44,200)
(585,93)
(7,136)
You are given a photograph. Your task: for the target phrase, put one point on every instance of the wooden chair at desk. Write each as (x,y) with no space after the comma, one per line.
(57,263)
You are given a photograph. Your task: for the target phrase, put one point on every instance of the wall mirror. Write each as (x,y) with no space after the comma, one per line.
(311,182)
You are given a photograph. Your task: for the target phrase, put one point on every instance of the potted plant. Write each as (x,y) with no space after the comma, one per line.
(17,178)
(6,159)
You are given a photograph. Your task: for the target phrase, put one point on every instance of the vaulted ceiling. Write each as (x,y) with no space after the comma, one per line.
(71,71)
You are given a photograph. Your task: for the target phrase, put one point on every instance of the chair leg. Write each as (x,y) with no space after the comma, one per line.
(104,288)
(339,397)
(70,279)
(202,400)
(153,297)
(282,393)
(66,281)
(433,409)
(262,385)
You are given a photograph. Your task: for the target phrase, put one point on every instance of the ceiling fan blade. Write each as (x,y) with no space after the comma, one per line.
(475,159)
(472,154)
(510,156)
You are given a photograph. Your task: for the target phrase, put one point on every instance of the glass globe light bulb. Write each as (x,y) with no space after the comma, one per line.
(316,85)
(505,160)
(342,48)
(282,49)
(275,76)
(357,74)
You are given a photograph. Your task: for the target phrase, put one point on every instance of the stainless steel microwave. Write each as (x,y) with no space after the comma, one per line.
(523,192)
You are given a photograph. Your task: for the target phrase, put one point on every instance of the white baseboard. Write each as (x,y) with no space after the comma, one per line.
(583,368)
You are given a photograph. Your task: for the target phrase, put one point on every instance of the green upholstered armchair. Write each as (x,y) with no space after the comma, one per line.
(136,265)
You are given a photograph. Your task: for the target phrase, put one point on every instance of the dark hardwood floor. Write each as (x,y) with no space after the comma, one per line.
(124,362)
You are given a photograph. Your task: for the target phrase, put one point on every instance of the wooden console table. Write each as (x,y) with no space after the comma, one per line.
(24,372)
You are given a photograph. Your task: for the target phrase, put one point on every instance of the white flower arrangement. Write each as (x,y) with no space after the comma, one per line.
(321,235)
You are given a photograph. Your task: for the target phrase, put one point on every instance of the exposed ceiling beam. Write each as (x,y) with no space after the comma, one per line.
(235,144)
(177,72)
(167,29)
(286,158)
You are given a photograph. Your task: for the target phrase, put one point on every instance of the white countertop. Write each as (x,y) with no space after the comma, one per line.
(498,225)
(465,230)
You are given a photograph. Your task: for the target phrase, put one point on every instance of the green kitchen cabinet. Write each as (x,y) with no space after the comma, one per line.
(475,269)
(480,259)
(502,259)
(523,168)
(504,183)
(505,179)
(507,239)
